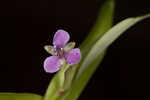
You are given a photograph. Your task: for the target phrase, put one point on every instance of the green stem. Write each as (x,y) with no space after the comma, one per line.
(57,85)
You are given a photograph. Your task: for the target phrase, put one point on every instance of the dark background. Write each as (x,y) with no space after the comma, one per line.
(27,25)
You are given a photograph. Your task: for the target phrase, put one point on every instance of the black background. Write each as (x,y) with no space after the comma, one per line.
(27,25)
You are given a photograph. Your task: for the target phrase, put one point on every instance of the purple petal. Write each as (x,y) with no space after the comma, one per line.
(52,64)
(73,56)
(61,37)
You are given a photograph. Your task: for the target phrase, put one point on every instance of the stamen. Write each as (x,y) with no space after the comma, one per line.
(61,49)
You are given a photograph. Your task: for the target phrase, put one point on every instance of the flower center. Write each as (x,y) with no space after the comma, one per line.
(60,51)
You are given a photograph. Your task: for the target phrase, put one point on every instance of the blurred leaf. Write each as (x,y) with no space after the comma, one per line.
(20,96)
(96,54)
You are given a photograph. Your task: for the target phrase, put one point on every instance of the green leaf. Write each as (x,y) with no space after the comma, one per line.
(108,38)
(20,96)
(103,23)
(96,54)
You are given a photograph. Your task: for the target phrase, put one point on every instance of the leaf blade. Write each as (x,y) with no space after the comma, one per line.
(20,96)
(109,37)
(103,23)
(84,75)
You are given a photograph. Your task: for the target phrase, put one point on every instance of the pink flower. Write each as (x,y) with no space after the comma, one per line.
(61,52)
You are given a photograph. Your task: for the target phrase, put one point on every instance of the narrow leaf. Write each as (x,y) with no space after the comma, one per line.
(108,38)
(96,54)
(103,23)
(20,96)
